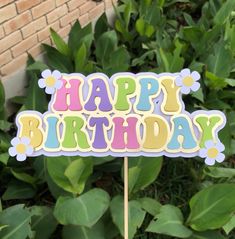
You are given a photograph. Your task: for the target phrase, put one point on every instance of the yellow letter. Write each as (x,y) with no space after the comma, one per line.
(171,103)
(156,133)
(30,126)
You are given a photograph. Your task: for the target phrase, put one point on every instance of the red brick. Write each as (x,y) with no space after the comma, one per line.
(75,4)
(34,26)
(10,41)
(14,65)
(84,20)
(47,41)
(97,11)
(57,13)
(24,45)
(23,5)
(2,34)
(45,33)
(36,50)
(5,57)
(87,7)
(70,17)
(43,8)
(64,31)
(60,2)
(17,22)
(7,12)
(5,2)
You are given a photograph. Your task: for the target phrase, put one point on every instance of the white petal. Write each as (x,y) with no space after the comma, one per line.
(196,76)
(209,144)
(185,72)
(46,73)
(220,158)
(20,157)
(209,161)
(50,90)
(220,146)
(29,150)
(185,90)
(15,141)
(56,74)
(178,81)
(25,140)
(195,86)
(41,83)
(12,151)
(203,153)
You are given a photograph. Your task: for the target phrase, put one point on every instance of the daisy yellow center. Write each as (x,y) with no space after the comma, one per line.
(20,148)
(188,81)
(212,153)
(50,81)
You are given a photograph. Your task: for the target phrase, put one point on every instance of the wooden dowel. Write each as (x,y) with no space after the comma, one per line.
(126,219)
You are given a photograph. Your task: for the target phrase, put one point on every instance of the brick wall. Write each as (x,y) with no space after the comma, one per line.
(25,24)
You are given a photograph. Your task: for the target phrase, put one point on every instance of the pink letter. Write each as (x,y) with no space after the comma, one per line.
(62,103)
(119,134)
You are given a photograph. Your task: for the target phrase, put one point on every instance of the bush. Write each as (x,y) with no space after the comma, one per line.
(169,198)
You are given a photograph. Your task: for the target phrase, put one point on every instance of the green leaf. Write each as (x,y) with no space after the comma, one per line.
(18,190)
(55,190)
(81,58)
(230,82)
(136,215)
(224,12)
(207,235)
(61,46)
(98,161)
(101,26)
(2,97)
(142,172)
(219,172)
(36,98)
(177,62)
(37,65)
(215,82)
(105,45)
(212,207)
(17,219)
(172,62)
(57,61)
(194,35)
(144,28)
(19,100)
(169,222)
(103,229)
(225,137)
(84,210)
(119,61)
(150,205)
(24,177)
(4,125)
(220,62)
(4,158)
(75,232)
(229,226)
(78,36)
(43,222)
(65,176)
(78,172)
(198,95)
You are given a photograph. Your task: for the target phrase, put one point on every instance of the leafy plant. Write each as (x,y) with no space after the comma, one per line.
(75,197)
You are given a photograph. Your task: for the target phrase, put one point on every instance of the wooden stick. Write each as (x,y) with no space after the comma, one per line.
(126,219)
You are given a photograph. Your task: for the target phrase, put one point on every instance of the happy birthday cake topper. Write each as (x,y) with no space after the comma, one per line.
(125,115)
